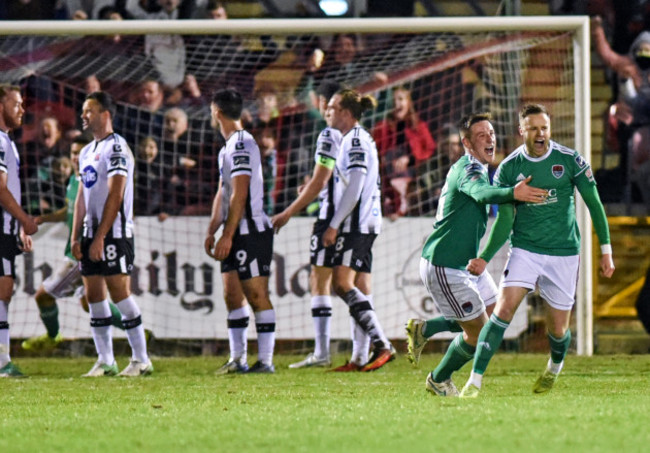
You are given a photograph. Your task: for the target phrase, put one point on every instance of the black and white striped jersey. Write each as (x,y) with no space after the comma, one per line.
(327,150)
(99,161)
(10,164)
(359,153)
(241,156)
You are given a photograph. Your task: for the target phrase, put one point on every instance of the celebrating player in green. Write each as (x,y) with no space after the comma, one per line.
(461,221)
(545,243)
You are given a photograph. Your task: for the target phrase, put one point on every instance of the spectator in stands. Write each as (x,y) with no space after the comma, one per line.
(33,10)
(188,95)
(267,143)
(86,9)
(404,143)
(146,119)
(167,52)
(91,84)
(210,9)
(149,180)
(632,109)
(54,183)
(151,95)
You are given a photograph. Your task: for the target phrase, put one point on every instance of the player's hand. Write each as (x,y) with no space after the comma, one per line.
(476,266)
(222,249)
(329,237)
(75,248)
(279,220)
(29,226)
(401,164)
(528,194)
(208,244)
(26,241)
(96,250)
(38,220)
(607,265)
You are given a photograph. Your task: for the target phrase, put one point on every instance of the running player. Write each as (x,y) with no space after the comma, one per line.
(460,223)
(545,243)
(245,247)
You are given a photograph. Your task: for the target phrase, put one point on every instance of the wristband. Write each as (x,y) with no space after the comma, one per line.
(606,249)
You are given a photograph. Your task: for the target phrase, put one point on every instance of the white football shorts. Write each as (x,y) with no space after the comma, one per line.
(65,280)
(556,276)
(456,292)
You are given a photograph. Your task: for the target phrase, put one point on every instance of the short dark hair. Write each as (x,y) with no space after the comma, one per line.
(328,88)
(104,100)
(80,140)
(468,121)
(229,102)
(532,109)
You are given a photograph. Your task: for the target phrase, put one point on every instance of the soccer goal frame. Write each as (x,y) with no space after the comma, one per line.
(578,26)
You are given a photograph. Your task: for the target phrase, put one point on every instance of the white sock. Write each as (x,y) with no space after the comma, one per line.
(360,343)
(132,320)
(476,379)
(265,325)
(321,312)
(553,367)
(100,326)
(4,333)
(237,333)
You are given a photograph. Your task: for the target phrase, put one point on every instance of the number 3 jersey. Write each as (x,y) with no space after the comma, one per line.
(241,156)
(99,161)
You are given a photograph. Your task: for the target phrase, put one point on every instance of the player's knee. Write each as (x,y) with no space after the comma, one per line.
(43,298)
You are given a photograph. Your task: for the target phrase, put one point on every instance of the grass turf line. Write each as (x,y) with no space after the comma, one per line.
(599,403)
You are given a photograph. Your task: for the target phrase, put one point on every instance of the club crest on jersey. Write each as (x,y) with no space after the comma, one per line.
(241,160)
(356,142)
(89,176)
(357,157)
(558,171)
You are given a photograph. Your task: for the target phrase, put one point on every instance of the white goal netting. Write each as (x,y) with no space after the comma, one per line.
(447,73)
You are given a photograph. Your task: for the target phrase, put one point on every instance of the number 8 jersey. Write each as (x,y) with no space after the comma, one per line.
(99,161)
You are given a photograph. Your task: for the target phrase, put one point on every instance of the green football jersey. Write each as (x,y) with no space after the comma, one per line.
(70,197)
(462,214)
(548,228)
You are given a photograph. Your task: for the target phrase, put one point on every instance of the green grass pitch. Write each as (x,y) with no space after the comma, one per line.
(599,404)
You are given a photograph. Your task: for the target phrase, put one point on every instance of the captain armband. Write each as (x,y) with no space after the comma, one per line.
(326,161)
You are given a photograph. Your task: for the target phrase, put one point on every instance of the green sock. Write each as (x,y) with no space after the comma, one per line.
(559,346)
(458,354)
(50,317)
(116,316)
(489,341)
(440,324)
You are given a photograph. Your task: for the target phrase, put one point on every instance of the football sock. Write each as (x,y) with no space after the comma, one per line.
(100,326)
(265,326)
(559,349)
(489,341)
(4,333)
(50,318)
(116,320)
(321,312)
(132,320)
(458,354)
(237,333)
(440,324)
(360,343)
(362,312)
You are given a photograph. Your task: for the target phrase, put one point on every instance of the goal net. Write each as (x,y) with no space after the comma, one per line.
(449,67)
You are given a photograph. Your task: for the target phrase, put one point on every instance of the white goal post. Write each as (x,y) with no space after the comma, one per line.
(577,26)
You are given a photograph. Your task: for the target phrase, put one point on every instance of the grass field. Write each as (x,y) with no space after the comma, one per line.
(599,404)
